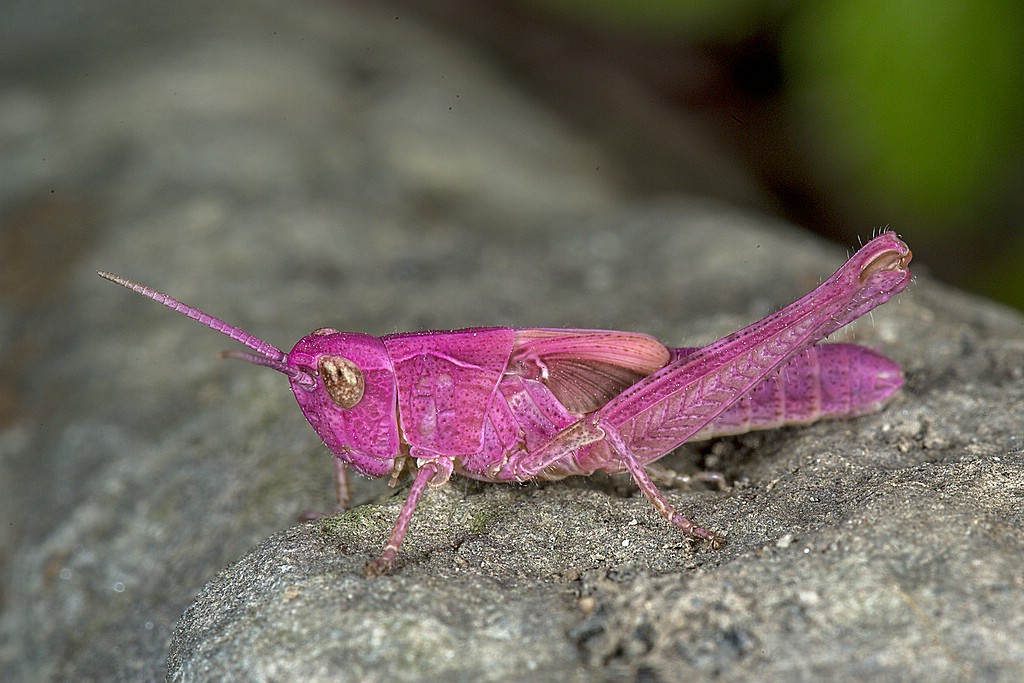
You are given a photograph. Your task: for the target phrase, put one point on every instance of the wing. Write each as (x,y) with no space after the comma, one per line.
(585,369)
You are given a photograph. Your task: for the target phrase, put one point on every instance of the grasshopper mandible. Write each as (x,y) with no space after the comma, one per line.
(507,404)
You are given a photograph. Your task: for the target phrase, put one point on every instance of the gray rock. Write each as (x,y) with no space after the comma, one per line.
(288,168)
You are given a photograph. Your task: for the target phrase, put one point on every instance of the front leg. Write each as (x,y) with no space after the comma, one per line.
(434,472)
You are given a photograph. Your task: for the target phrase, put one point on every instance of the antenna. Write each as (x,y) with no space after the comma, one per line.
(266,354)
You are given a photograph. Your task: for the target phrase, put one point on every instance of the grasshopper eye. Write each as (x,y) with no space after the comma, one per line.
(343,380)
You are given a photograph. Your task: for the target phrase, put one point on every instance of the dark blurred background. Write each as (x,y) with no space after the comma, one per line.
(851,115)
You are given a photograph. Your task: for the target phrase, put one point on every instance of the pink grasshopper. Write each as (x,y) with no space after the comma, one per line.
(506,404)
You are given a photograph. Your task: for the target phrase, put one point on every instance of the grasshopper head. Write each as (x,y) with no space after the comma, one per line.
(345,386)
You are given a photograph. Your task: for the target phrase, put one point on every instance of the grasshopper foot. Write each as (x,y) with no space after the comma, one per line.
(714,541)
(379,567)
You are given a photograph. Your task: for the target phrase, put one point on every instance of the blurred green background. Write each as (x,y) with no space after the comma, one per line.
(907,113)
(852,114)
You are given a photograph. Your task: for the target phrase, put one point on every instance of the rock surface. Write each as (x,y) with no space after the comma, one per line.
(332,164)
